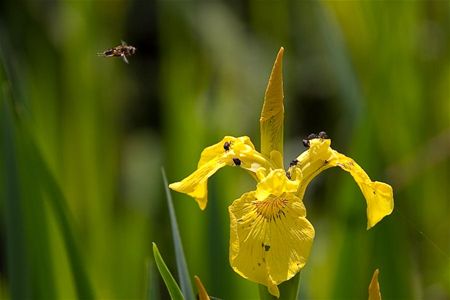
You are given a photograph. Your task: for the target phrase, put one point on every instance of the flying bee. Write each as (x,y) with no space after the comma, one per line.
(122,50)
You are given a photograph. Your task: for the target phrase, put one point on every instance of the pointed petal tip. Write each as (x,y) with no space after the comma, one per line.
(372,223)
(273,290)
(281,51)
(380,206)
(202,293)
(279,58)
(374,287)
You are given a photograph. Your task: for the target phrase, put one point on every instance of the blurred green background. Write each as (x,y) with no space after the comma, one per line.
(83,139)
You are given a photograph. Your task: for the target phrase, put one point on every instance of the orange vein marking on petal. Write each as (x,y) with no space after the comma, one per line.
(271,208)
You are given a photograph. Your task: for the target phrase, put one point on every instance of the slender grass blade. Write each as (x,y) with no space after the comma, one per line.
(183,272)
(152,291)
(171,284)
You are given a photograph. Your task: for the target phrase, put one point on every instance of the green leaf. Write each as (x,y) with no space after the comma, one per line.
(152,291)
(18,270)
(183,272)
(28,180)
(59,205)
(171,284)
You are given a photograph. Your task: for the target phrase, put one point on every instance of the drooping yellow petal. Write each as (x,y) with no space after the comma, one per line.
(374,287)
(320,156)
(195,185)
(272,115)
(379,195)
(230,151)
(270,240)
(202,294)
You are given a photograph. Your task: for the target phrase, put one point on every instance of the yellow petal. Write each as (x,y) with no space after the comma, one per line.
(277,159)
(275,183)
(311,162)
(229,151)
(270,240)
(374,287)
(320,156)
(202,294)
(379,196)
(272,115)
(242,143)
(195,185)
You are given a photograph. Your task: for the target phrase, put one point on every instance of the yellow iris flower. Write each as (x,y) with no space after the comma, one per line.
(270,237)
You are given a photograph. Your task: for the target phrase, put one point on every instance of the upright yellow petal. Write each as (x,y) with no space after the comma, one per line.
(374,287)
(272,115)
(320,156)
(270,240)
(229,151)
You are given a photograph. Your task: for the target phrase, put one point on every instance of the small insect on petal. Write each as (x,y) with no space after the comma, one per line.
(293,163)
(226,146)
(310,137)
(237,161)
(323,135)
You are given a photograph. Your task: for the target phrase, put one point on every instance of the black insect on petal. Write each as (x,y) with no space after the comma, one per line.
(288,174)
(293,163)
(312,136)
(306,143)
(226,146)
(323,135)
(237,161)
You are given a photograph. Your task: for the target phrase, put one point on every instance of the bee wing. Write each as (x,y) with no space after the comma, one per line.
(123,43)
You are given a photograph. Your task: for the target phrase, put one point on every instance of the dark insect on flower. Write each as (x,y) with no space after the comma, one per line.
(122,50)
(312,136)
(226,146)
(293,163)
(305,143)
(237,161)
(323,135)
